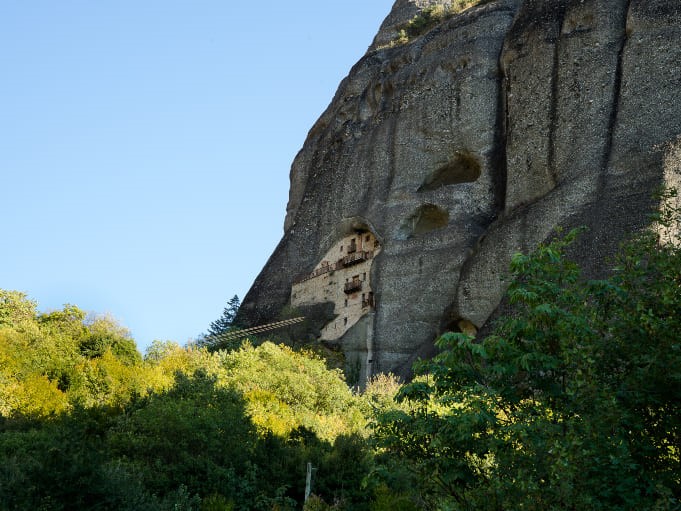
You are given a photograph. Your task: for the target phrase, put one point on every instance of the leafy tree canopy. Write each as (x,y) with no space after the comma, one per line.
(574,401)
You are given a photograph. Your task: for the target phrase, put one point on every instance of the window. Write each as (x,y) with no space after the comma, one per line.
(345,321)
(346,302)
(364,276)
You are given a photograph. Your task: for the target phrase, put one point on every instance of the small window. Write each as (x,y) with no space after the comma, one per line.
(345,321)
(364,276)
(368,238)
(341,248)
(346,303)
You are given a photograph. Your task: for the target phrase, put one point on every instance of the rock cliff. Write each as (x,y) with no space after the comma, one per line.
(471,142)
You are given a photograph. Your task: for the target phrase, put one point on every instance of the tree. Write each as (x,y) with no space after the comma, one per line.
(16,309)
(85,424)
(196,434)
(573,403)
(105,333)
(224,324)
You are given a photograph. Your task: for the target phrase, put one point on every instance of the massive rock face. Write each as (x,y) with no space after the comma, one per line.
(475,141)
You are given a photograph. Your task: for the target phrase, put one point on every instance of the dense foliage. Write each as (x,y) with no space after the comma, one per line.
(87,423)
(572,403)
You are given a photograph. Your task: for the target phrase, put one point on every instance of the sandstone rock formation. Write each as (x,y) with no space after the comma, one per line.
(472,142)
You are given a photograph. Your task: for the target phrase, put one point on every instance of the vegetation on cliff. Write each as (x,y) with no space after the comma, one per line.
(429,17)
(572,403)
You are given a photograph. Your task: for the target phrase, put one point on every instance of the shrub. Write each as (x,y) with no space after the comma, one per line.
(429,17)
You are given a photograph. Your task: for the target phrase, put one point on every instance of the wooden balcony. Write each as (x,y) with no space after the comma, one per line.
(353,286)
(319,271)
(355,258)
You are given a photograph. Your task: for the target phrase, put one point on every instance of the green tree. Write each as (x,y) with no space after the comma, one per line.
(68,321)
(225,323)
(196,435)
(287,389)
(16,308)
(183,429)
(222,326)
(105,333)
(574,401)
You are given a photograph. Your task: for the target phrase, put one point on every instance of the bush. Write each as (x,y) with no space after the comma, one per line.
(430,17)
(573,403)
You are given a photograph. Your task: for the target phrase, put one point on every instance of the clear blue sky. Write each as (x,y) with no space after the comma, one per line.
(145,146)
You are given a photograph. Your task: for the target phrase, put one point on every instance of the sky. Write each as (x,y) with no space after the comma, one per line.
(145,146)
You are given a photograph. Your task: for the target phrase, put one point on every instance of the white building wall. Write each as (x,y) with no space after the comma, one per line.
(327,283)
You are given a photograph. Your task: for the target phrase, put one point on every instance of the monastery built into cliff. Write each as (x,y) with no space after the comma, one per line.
(342,277)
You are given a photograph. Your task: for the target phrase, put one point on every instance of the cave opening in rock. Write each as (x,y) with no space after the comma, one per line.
(426,218)
(463,168)
(461,325)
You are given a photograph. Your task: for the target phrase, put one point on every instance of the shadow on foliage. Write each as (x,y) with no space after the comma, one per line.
(191,447)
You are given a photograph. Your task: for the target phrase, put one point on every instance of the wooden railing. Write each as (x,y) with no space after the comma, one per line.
(356,257)
(348,260)
(353,286)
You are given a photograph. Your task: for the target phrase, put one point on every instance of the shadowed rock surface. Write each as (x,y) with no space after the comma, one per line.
(472,142)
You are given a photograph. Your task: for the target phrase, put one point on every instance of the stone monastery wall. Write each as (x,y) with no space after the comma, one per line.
(342,277)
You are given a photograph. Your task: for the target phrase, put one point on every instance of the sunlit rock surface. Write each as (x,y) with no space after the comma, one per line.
(472,142)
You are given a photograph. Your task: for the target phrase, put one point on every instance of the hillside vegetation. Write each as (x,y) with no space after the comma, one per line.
(572,403)
(88,423)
